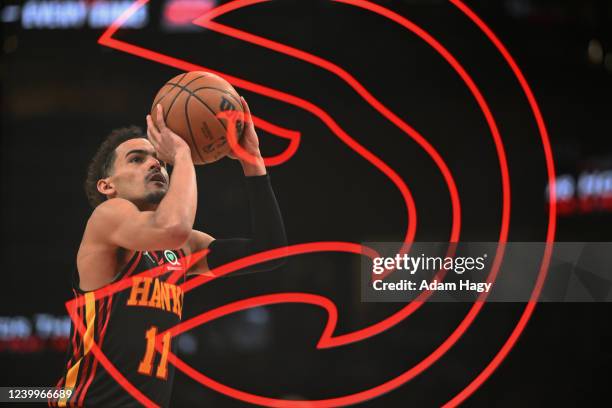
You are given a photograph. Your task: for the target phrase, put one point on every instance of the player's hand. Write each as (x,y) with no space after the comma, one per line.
(167,144)
(250,141)
(252,165)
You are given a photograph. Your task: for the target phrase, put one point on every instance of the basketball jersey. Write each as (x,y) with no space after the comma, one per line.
(124,326)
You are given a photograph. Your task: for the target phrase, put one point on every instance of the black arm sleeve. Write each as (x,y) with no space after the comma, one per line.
(267,229)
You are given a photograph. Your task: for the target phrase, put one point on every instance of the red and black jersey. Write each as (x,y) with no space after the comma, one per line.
(124,326)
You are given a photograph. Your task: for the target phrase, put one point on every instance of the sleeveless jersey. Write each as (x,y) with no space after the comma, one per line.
(124,326)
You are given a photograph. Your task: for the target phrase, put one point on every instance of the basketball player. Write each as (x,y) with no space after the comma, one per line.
(142,219)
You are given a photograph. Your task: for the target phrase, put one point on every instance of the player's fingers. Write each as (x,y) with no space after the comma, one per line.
(151,139)
(159,120)
(245,105)
(152,133)
(151,126)
(247,112)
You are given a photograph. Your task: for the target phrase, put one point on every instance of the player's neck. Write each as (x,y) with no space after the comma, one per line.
(147,207)
(144,205)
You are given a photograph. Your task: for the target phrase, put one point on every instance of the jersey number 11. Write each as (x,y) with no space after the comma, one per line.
(146,365)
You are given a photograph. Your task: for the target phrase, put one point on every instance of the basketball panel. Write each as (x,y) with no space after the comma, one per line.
(191,102)
(222,101)
(215,81)
(209,134)
(177,123)
(162,94)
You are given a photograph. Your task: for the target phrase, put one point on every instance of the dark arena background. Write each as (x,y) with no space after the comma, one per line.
(63,91)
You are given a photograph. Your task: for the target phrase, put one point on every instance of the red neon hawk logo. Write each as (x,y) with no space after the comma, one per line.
(327,339)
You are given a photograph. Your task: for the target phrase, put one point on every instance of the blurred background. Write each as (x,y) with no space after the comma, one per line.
(62,93)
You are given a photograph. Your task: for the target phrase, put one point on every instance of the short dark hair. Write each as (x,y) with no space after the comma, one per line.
(101,164)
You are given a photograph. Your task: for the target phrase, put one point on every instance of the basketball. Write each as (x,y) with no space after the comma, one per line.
(192,103)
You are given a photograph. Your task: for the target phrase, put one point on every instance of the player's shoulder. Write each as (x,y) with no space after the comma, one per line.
(111,211)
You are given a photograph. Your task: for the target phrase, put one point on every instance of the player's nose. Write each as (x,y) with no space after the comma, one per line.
(154,163)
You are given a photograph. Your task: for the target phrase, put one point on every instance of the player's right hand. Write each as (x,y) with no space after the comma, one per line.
(167,144)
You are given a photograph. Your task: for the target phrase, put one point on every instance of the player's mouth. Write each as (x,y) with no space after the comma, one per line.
(157,178)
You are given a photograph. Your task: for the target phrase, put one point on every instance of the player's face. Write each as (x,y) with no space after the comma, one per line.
(137,174)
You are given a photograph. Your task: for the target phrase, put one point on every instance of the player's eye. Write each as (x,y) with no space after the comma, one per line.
(136,159)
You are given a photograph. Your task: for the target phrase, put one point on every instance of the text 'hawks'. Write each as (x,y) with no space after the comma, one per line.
(161,295)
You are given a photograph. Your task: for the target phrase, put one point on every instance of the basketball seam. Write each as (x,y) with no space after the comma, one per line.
(205,104)
(175,96)
(211,87)
(231,96)
(182,87)
(213,113)
(164,95)
(174,86)
(197,97)
(195,145)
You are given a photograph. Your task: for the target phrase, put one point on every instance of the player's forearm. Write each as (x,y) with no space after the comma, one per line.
(267,227)
(178,208)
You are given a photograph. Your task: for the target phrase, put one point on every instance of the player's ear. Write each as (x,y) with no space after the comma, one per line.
(106,187)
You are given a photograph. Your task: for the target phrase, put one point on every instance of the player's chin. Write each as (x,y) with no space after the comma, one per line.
(155,195)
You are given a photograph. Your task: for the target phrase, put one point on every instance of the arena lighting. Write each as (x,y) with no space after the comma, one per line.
(40,332)
(589,192)
(178,15)
(10,13)
(595,52)
(65,14)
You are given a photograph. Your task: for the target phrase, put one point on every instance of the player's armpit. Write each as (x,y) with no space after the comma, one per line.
(119,222)
(198,241)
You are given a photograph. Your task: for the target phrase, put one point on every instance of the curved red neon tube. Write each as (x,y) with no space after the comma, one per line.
(551,215)
(107,40)
(552,211)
